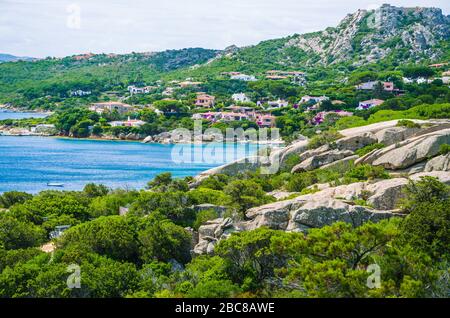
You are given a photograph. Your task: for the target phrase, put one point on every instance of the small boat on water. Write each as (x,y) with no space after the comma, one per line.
(54,184)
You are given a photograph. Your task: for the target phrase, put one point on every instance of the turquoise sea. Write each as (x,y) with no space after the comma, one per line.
(29,163)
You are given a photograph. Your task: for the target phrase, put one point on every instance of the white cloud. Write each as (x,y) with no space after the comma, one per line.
(39,27)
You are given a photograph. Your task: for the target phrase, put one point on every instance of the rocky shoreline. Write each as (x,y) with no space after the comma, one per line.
(165,138)
(11,109)
(41,131)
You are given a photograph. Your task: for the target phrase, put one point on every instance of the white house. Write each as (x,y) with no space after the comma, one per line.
(224,116)
(243,77)
(315,99)
(121,108)
(387,86)
(277,104)
(367,104)
(128,123)
(241,98)
(58,231)
(80,92)
(407,80)
(421,80)
(168,91)
(367,86)
(138,90)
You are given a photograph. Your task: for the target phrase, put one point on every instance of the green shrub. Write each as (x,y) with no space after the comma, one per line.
(349,122)
(111,236)
(365,172)
(245,194)
(215,182)
(326,137)
(290,162)
(206,195)
(361,202)
(8,199)
(367,149)
(424,111)
(162,240)
(203,216)
(408,124)
(16,234)
(444,149)
(301,181)
(427,225)
(309,190)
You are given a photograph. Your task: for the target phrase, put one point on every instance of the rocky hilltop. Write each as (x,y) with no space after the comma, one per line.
(402,34)
(368,36)
(408,153)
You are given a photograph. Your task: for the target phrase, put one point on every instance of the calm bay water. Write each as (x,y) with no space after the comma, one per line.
(29,163)
(13,115)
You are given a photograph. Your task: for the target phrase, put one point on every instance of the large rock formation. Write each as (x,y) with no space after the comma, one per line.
(332,204)
(415,30)
(320,160)
(211,232)
(343,163)
(440,163)
(281,155)
(408,152)
(326,155)
(323,211)
(356,142)
(392,135)
(233,168)
(411,153)
(409,147)
(385,194)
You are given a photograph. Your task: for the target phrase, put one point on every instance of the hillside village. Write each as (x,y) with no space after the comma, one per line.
(185,99)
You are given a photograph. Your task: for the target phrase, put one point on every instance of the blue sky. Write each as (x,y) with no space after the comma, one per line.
(42,28)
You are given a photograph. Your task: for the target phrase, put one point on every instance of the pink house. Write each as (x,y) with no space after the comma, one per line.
(388,86)
(234,116)
(210,116)
(320,117)
(266,121)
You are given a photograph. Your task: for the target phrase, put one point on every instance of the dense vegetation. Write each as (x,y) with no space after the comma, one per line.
(137,256)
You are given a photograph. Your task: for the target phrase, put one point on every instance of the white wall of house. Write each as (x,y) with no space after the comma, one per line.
(241,97)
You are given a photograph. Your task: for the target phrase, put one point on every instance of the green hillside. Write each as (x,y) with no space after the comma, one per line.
(385,39)
(98,73)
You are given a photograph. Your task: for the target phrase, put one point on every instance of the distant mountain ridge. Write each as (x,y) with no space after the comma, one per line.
(12,58)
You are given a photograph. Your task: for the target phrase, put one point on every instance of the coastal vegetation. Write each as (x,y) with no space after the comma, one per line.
(137,256)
